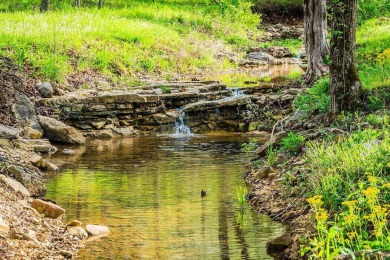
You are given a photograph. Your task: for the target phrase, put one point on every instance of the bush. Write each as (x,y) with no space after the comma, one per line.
(314,100)
(292,143)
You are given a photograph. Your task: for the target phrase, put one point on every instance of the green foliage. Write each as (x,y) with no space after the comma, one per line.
(271,156)
(249,147)
(373,53)
(375,103)
(373,8)
(165,89)
(350,179)
(374,120)
(241,194)
(292,143)
(314,100)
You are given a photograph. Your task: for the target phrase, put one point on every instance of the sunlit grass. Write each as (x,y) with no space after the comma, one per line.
(153,39)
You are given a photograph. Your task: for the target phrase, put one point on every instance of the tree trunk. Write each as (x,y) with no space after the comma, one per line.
(77,3)
(345,86)
(317,48)
(100,4)
(45,5)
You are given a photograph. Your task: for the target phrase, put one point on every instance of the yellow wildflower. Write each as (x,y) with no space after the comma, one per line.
(371,192)
(372,179)
(386,185)
(352,235)
(316,200)
(322,215)
(350,204)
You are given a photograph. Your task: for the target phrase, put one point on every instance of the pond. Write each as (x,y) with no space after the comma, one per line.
(148,191)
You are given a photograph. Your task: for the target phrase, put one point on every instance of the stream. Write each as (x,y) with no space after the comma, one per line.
(147,190)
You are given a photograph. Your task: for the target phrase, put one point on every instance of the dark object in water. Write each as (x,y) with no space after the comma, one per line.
(203,193)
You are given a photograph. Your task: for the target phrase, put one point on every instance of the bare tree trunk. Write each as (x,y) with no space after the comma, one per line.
(345,86)
(77,3)
(100,4)
(317,48)
(45,5)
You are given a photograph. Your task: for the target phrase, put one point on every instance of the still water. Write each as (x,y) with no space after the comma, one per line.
(147,190)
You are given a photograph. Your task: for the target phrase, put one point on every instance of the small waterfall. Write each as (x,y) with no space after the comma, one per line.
(236,92)
(180,128)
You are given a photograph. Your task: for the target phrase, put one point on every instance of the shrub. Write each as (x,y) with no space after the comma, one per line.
(292,143)
(314,100)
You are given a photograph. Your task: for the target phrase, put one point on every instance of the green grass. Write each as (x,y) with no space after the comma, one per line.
(373,53)
(146,39)
(350,180)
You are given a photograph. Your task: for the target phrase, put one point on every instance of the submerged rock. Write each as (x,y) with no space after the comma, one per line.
(279,244)
(97,230)
(57,131)
(48,209)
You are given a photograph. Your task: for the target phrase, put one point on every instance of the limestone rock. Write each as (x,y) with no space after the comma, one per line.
(77,232)
(66,253)
(8,132)
(24,112)
(261,56)
(57,131)
(29,178)
(4,227)
(48,209)
(97,230)
(42,164)
(73,223)
(14,185)
(279,244)
(31,133)
(45,89)
(36,145)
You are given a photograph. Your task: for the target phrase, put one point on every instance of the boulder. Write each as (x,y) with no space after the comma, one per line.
(48,209)
(42,164)
(7,132)
(24,113)
(57,131)
(73,223)
(279,244)
(45,89)
(29,178)
(14,185)
(77,231)
(97,230)
(260,56)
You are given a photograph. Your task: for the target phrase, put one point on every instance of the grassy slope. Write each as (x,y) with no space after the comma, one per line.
(349,177)
(146,39)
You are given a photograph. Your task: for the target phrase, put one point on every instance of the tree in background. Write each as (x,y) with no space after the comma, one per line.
(345,87)
(317,48)
(77,3)
(100,4)
(45,5)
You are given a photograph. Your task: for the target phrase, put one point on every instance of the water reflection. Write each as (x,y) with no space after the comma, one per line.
(254,76)
(147,190)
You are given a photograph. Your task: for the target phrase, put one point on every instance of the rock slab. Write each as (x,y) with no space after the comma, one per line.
(279,244)
(29,178)
(48,209)
(8,132)
(14,185)
(45,89)
(97,230)
(57,131)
